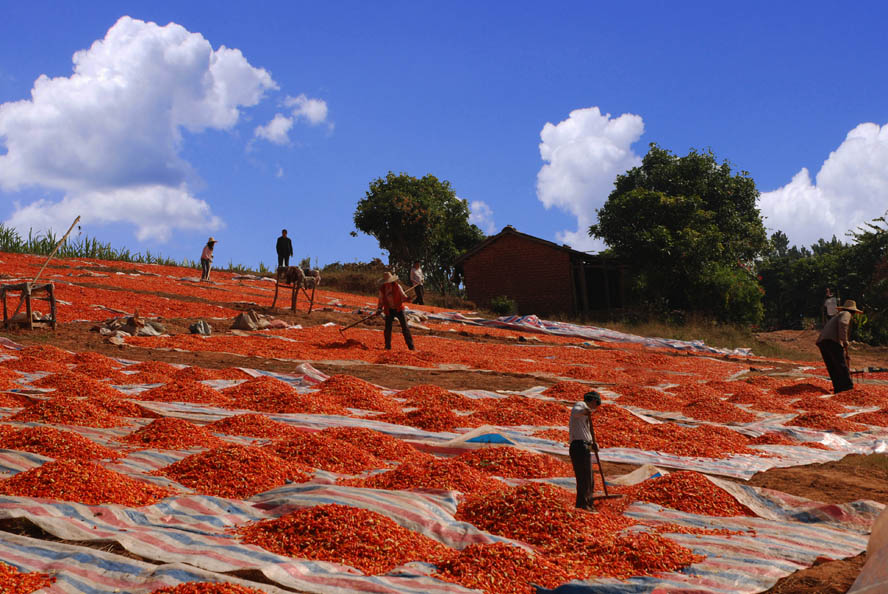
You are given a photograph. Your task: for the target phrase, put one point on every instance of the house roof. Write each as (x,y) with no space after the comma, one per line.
(510,230)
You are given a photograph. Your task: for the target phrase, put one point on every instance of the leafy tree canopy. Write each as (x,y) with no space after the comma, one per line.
(417,219)
(684,224)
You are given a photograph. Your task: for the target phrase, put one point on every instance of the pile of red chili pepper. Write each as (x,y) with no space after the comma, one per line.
(185,391)
(12,581)
(251,425)
(499,412)
(501,568)
(352,392)
(689,492)
(431,396)
(47,352)
(170,433)
(405,358)
(384,447)
(207,588)
(268,394)
(141,377)
(805,388)
(159,367)
(430,419)
(762,402)
(582,544)
(773,438)
(826,422)
(64,410)
(648,398)
(324,452)
(70,383)
(510,462)
(717,411)
(863,395)
(878,418)
(364,539)
(818,404)
(55,443)
(573,391)
(193,374)
(450,475)
(82,482)
(8,400)
(122,407)
(234,471)
(33,364)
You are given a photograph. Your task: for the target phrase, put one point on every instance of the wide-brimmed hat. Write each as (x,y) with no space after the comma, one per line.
(388,277)
(212,240)
(850,305)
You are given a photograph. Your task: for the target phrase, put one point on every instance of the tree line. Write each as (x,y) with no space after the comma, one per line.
(690,231)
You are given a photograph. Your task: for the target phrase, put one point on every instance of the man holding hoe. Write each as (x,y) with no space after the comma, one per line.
(391,302)
(582,444)
(833,345)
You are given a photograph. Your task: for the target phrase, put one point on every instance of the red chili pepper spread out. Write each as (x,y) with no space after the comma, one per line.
(501,568)
(55,443)
(818,404)
(364,539)
(718,411)
(172,434)
(567,390)
(515,463)
(324,452)
(12,581)
(208,588)
(448,474)
(32,364)
(861,395)
(47,352)
(251,425)
(234,471)
(82,482)
(67,411)
(70,383)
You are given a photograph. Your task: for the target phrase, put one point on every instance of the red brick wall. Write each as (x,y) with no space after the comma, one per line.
(536,276)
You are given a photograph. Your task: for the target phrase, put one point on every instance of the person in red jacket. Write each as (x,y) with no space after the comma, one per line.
(391,303)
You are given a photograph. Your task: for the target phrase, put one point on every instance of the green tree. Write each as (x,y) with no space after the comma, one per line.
(687,225)
(418,220)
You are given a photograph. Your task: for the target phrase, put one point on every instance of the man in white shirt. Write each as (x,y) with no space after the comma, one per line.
(830,306)
(417,278)
(582,444)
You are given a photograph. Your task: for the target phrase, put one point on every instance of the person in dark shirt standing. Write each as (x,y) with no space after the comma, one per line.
(284,249)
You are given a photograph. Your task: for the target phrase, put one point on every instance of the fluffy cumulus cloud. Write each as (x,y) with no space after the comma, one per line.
(583,155)
(314,111)
(108,137)
(481,214)
(849,190)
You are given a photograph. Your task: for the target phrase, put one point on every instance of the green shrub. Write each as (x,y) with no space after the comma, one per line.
(503,306)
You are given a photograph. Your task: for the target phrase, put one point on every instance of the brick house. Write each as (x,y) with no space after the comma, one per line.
(540,276)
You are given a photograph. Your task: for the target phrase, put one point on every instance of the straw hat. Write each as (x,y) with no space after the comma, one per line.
(388,277)
(211,240)
(850,305)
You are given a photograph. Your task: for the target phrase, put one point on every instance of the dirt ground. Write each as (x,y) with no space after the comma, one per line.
(854,477)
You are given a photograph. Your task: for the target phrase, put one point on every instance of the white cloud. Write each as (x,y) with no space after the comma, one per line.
(481,214)
(277,130)
(583,156)
(850,189)
(108,137)
(313,110)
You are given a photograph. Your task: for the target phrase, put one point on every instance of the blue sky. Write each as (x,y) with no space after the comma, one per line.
(196,118)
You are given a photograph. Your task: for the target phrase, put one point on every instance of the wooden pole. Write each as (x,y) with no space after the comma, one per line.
(54,250)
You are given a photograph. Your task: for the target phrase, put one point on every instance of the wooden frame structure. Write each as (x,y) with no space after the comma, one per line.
(26,291)
(293,278)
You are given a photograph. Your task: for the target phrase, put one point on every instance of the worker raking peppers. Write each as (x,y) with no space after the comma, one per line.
(582,444)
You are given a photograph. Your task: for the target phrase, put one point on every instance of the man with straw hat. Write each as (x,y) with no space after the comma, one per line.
(391,302)
(833,345)
(206,259)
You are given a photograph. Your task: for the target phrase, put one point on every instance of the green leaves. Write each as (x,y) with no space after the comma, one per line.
(417,219)
(678,220)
